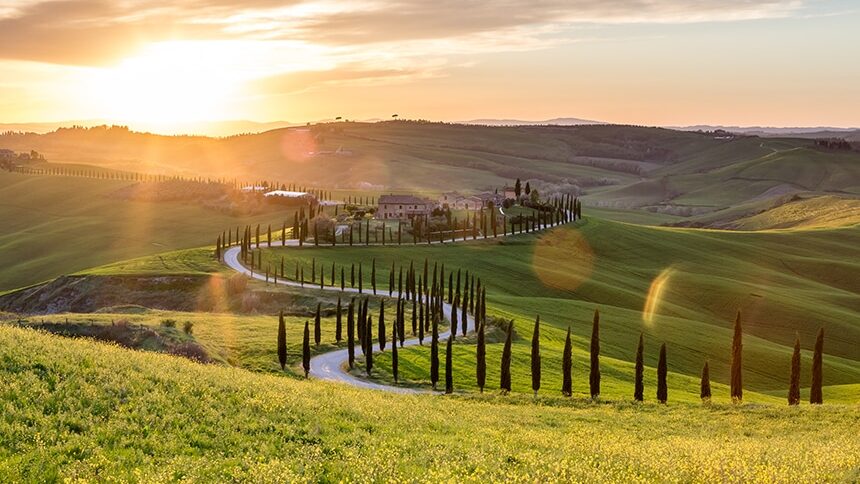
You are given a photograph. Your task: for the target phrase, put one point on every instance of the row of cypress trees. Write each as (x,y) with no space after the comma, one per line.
(398,330)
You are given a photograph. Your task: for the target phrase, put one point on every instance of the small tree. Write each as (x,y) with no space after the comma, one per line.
(350,333)
(481,352)
(737,390)
(368,342)
(638,386)
(381,329)
(567,367)
(505,383)
(282,341)
(317,327)
(794,379)
(394,357)
(306,350)
(594,372)
(449,373)
(535,357)
(705,386)
(662,389)
(434,353)
(815,394)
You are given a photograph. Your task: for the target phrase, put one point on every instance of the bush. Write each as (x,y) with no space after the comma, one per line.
(236,284)
(168,323)
(188,327)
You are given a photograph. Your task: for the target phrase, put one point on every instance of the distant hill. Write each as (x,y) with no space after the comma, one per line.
(681,173)
(545,122)
(851,134)
(213,128)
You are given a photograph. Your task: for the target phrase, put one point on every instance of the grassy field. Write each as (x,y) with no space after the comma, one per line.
(784,283)
(76,410)
(58,225)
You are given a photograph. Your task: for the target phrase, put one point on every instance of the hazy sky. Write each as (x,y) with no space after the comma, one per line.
(738,62)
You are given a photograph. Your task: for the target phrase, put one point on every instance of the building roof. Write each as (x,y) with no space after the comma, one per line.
(285,193)
(402,199)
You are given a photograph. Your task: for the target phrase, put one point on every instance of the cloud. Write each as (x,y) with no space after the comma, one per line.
(98,32)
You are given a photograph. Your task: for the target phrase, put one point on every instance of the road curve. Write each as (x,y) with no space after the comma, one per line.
(332,365)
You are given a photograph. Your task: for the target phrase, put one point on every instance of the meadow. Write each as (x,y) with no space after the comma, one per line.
(55,225)
(78,410)
(784,283)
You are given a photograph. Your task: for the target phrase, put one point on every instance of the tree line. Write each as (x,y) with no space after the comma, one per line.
(427,315)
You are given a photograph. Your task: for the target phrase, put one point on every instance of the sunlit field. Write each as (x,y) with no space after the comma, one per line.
(429,242)
(87,404)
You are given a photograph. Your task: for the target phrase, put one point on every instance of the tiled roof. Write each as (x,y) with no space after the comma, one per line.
(402,199)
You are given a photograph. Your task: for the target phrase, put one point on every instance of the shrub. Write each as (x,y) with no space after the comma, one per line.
(168,323)
(188,327)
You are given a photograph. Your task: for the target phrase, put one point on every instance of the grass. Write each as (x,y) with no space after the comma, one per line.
(77,410)
(56,225)
(784,283)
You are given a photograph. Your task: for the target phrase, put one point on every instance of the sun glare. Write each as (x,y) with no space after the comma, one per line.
(655,295)
(168,82)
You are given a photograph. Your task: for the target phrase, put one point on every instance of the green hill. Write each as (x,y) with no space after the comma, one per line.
(76,410)
(784,283)
(54,225)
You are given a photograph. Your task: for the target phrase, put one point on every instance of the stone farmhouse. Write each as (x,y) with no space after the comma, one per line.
(403,207)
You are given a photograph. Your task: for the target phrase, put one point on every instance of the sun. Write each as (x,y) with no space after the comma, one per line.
(169,83)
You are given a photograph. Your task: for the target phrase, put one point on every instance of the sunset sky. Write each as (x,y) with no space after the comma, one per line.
(735,62)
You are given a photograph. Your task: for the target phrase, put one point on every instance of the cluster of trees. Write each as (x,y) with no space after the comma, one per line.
(10,160)
(425,297)
(471,298)
(833,144)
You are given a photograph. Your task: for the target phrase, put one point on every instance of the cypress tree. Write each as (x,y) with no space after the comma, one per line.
(450,287)
(338,328)
(434,353)
(464,320)
(639,386)
(794,380)
(815,394)
(368,341)
(373,275)
(481,370)
(566,367)
(536,357)
(594,372)
(317,327)
(737,390)
(505,383)
(449,377)
(350,333)
(360,282)
(454,318)
(342,281)
(359,324)
(705,387)
(414,316)
(420,321)
(381,329)
(352,275)
(306,350)
(394,357)
(662,389)
(282,341)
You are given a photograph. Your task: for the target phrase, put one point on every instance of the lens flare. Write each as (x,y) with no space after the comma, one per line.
(563,259)
(655,294)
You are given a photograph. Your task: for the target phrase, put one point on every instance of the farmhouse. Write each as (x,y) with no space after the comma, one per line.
(510,192)
(403,207)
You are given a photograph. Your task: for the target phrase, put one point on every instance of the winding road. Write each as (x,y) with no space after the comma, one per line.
(332,365)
